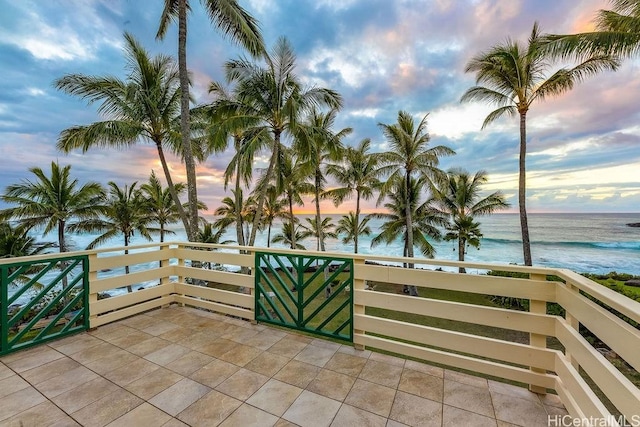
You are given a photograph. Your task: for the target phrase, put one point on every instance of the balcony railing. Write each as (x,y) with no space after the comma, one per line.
(552,356)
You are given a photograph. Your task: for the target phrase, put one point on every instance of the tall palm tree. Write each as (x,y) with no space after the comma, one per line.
(410,157)
(317,144)
(351,226)
(291,236)
(273,97)
(291,182)
(142,107)
(274,207)
(54,202)
(229,212)
(511,76)
(233,21)
(161,206)
(617,32)
(358,173)
(126,212)
(425,219)
(459,199)
(325,229)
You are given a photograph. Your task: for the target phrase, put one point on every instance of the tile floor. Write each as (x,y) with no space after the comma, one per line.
(181,366)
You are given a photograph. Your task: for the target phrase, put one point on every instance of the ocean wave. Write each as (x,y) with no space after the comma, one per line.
(599,245)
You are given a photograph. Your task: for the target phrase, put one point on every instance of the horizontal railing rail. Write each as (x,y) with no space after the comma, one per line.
(464,334)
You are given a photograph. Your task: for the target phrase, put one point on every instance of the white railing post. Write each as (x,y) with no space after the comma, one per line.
(537,340)
(180,264)
(93,296)
(574,323)
(358,285)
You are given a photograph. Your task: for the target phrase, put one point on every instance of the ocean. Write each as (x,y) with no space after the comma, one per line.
(583,242)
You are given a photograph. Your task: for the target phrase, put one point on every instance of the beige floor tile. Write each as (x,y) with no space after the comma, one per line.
(512,390)
(131,372)
(167,354)
(218,347)
(297,373)
(179,396)
(107,409)
(65,382)
(44,414)
(174,422)
(349,349)
(416,411)
(12,384)
(159,328)
(154,383)
(139,322)
(210,410)
(463,378)
(108,364)
(314,355)
(321,342)
(312,410)
(393,423)
(519,411)
(49,370)
(242,384)
(176,334)
(505,424)
(371,397)
(346,364)
(267,363)
(454,417)
(81,396)
(350,416)
(381,373)
(189,363)
(96,352)
(241,354)
(468,397)
(385,358)
(248,416)
(284,423)
(240,335)
(75,343)
(196,340)
(554,410)
(264,340)
(214,373)
(24,360)
(20,401)
(331,384)
(275,397)
(5,371)
(422,385)
(549,400)
(424,368)
(132,338)
(288,347)
(111,331)
(148,346)
(143,415)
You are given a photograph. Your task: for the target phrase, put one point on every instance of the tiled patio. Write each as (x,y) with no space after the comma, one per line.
(181,366)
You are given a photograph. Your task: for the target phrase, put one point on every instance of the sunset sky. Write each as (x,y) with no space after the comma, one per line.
(381,55)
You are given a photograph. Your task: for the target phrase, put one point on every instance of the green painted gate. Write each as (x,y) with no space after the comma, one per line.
(49,299)
(307,293)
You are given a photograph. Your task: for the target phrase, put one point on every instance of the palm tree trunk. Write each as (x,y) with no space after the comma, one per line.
(263,191)
(161,232)
(239,229)
(269,235)
(522,191)
(172,189)
(63,248)
(185,130)
(318,218)
(292,219)
(357,230)
(461,245)
(413,291)
(126,267)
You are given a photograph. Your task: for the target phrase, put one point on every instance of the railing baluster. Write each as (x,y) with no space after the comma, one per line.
(358,285)
(537,340)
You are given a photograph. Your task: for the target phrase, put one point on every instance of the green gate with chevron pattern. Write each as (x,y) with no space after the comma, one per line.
(307,293)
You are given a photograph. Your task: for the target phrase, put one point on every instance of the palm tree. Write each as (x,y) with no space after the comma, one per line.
(425,219)
(16,242)
(229,212)
(291,182)
(357,173)
(232,20)
(459,198)
(512,76)
(291,236)
(125,213)
(617,32)
(274,99)
(316,144)
(274,207)
(143,106)
(54,202)
(325,229)
(161,206)
(409,156)
(351,226)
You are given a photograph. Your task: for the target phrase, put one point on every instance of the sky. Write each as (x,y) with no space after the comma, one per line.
(382,56)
